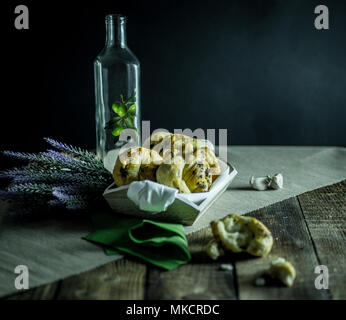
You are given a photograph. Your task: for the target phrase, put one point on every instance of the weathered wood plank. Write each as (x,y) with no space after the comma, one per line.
(204,281)
(325,214)
(119,280)
(45,292)
(202,278)
(291,241)
(324,210)
(197,242)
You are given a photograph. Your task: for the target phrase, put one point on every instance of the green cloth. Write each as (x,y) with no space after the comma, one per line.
(160,243)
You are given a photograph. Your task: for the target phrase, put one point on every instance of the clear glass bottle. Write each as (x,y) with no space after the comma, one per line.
(117,89)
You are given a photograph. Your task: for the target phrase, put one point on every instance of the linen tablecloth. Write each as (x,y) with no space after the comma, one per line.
(53,249)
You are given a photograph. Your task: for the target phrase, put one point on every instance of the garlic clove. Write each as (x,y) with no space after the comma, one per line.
(277,181)
(260,183)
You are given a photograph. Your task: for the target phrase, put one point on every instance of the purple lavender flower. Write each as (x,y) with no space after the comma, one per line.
(42,189)
(74,179)
(75,151)
(72,201)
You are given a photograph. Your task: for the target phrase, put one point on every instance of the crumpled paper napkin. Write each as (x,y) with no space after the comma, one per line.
(151,196)
(159,243)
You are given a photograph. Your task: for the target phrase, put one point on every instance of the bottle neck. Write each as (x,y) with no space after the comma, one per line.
(115,31)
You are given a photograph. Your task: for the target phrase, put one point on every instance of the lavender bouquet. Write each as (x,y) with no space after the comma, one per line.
(62,177)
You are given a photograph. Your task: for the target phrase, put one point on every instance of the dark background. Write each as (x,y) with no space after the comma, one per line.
(258,68)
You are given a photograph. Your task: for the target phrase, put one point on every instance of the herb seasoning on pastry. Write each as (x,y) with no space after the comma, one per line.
(193,150)
(208,155)
(176,173)
(136,164)
(197,176)
(242,234)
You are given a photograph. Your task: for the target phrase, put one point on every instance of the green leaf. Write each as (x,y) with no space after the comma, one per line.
(119,109)
(132,99)
(132,110)
(117,121)
(117,130)
(126,110)
(129,123)
(113,123)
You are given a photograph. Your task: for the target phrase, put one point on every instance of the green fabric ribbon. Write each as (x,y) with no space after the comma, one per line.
(160,243)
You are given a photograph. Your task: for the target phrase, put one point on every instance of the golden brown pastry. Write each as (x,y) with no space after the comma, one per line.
(193,150)
(170,174)
(174,160)
(136,164)
(197,176)
(176,173)
(160,142)
(242,234)
(209,156)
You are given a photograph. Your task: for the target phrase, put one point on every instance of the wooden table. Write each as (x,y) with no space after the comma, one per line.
(309,230)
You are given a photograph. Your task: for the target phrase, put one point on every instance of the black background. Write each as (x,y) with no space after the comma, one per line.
(258,68)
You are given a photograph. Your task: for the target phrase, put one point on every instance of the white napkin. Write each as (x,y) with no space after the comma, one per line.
(151,196)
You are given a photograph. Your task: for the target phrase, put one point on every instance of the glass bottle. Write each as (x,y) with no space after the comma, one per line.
(117,90)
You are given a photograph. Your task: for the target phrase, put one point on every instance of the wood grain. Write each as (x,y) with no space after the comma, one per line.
(308,230)
(291,241)
(201,279)
(120,280)
(45,292)
(325,215)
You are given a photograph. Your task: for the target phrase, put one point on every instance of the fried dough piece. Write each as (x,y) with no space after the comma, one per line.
(197,176)
(136,164)
(170,174)
(192,150)
(243,234)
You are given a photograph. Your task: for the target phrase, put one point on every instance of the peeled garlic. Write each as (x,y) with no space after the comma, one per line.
(277,181)
(260,183)
(263,183)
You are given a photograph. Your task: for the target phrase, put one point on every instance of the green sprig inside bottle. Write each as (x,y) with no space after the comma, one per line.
(125,111)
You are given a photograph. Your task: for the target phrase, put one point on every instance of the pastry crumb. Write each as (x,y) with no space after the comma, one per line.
(214,250)
(282,270)
(260,282)
(226,267)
